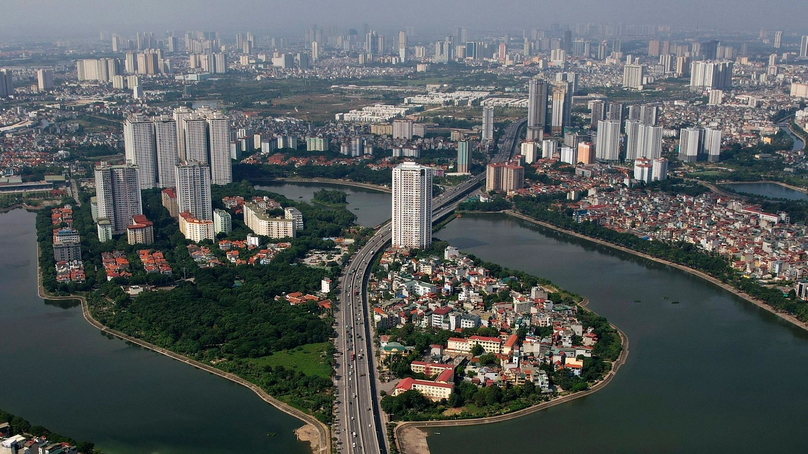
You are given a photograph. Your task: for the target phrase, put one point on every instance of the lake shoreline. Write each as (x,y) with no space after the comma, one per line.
(373,187)
(778,183)
(313,431)
(785,316)
(410,436)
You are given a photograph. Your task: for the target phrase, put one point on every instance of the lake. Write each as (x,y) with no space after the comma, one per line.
(712,373)
(370,207)
(61,373)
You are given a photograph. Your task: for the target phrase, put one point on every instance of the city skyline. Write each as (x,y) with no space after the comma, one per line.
(87,17)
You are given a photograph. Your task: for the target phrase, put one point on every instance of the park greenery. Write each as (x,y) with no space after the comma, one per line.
(330,197)
(263,174)
(18,425)
(234,317)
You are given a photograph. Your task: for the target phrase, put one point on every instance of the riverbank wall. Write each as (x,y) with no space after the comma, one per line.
(314,431)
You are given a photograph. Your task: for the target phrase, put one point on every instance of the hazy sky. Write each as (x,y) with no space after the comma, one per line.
(71,17)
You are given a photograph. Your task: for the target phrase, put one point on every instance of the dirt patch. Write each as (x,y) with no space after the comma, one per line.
(453,411)
(413,441)
(310,434)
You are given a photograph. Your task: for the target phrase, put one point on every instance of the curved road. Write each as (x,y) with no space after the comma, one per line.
(360,422)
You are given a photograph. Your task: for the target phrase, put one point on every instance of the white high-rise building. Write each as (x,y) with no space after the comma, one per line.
(659,169)
(642,170)
(804,47)
(402,46)
(690,144)
(649,142)
(633,140)
(117,192)
(221,167)
(139,148)
(180,114)
(488,124)
(711,75)
(193,190)
(633,76)
(548,148)
(562,107)
(530,150)
(44,80)
(165,136)
(195,130)
(536,109)
(402,129)
(607,146)
(712,144)
(412,206)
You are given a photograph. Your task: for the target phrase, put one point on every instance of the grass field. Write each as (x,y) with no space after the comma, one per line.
(309,359)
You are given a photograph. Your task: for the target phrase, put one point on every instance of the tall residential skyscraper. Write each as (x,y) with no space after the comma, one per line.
(778,38)
(712,144)
(117,191)
(615,112)
(412,206)
(652,141)
(488,124)
(607,146)
(562,107)
(219,141)
(195,130)
(711,75)
(804,47)
(44,80)
(690,144)
(139,148)
(648,114)
(642,141)
(598,113)
(536,109)
(180,114)
(632,76)
(632,139)
(205,138)
(6,83)
(193,190)
(165,135)
(402,45)
(463,157)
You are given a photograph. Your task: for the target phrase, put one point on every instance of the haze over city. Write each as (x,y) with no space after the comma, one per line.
(81,17)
